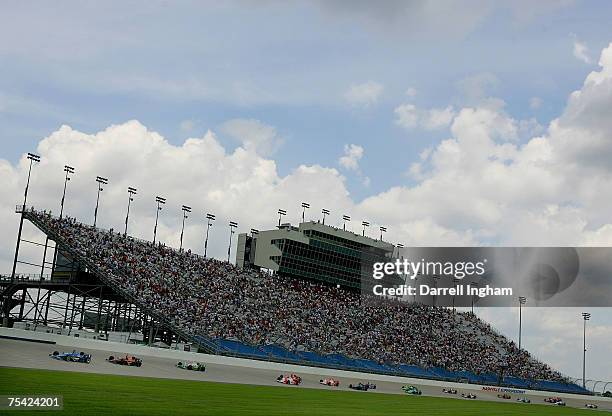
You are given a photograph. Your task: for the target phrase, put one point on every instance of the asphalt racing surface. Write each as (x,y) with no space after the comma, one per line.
(15,353)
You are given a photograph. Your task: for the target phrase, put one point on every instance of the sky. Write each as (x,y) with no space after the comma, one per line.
(449,122)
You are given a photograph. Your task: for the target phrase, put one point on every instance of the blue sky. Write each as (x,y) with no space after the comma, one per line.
(450,122)
(287,66)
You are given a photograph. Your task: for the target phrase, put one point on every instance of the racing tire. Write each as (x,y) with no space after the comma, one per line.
(55,353)
(189,367)
(111,358)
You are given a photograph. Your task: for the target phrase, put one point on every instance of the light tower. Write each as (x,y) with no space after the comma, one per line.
(305,206)
(382,230)
(345,218)
(101,181)
(160,201)
(232,226)
(209,218)
(186,209)
(32,158)
(522,300)
(585,316)
(324,212)
(69,171)
(365,224)
(281,213)
(131,193)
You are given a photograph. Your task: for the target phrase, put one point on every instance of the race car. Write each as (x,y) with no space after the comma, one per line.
(128,360)
(449,391)
(362,387)
(504,396)
(291,379)
(590,406)
(523,400)
(332,382)
(468,396)
(75,357)
(410,389)
(553,400)
(191,365)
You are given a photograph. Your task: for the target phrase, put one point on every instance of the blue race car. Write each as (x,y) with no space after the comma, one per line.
(74,356)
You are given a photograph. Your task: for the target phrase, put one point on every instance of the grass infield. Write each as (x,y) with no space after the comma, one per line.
(99,394)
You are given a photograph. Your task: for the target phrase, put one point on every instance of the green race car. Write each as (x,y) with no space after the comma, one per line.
(191,365)
(409,389)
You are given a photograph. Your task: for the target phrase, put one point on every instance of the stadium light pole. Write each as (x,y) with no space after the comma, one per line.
(345,218)
(232,225)
(365,224)
(522,300)
(209,218)
(32,158)
(281,213)
(101,181)
(305,206)
(69,171)
(585,316)
(324,212)
(254,232)
(382,230)
(185,210)
(131,193)
(160,201)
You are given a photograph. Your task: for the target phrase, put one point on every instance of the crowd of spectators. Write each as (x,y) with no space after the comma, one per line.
(215,298)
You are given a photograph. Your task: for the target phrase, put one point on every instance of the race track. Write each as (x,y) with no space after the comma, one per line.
(16,353)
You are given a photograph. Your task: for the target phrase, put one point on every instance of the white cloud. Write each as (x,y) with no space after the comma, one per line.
(409,117)
(351,157)
(364,95)
(438,118)
(581,51)
(254,135)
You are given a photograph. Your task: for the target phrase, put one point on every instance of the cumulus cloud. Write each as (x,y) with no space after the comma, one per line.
(351,157)
(254,135)
(581,51)
(409,116)
(364,95)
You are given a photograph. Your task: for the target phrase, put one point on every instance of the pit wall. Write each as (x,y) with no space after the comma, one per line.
(79,343)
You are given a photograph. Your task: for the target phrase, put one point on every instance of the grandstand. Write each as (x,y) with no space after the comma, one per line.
(227,310)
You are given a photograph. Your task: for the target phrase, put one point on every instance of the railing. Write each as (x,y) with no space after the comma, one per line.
(93,268)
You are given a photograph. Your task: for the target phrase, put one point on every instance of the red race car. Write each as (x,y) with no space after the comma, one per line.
(292,379)
(128,360)
(332,382)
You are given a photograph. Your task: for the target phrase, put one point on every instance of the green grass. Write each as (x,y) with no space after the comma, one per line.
(99,394)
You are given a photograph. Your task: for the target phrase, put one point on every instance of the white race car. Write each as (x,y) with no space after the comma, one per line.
(590,406)
(291,379)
